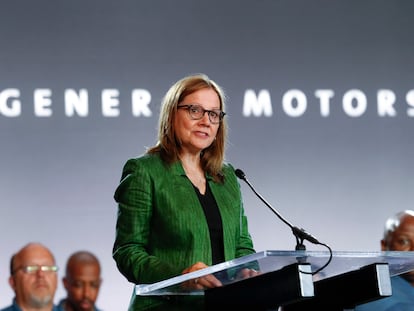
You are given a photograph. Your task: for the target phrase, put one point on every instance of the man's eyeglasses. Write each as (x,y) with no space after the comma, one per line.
(35,268)
(197,112)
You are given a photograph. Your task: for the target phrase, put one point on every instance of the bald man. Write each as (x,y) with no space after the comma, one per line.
(82,282)
(33,278)
(398,236)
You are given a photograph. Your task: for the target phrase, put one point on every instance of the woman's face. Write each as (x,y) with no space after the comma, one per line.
(196,135)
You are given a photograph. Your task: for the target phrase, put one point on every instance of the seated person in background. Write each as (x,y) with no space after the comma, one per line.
(33,278)
(82,282)
(398,236)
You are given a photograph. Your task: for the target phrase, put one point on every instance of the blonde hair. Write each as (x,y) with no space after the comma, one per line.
(168,146)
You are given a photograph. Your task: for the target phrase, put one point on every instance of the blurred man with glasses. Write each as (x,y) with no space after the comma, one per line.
(398,236)
(33,278)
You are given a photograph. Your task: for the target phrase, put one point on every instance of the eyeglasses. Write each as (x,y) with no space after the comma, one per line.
(35,268)
(402,243)
(197,112)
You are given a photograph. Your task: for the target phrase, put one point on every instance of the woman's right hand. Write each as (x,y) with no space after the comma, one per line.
(206,281)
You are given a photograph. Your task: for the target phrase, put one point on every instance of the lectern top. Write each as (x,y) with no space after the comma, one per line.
(272,260)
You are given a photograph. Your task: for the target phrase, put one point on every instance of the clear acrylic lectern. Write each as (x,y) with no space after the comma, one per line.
(286,280)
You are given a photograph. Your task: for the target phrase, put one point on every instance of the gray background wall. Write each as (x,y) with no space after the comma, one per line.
(338,176)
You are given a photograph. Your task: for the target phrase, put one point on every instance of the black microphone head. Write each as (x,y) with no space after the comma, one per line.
(240,174)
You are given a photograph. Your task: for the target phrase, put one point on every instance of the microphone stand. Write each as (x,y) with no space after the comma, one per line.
(300,234)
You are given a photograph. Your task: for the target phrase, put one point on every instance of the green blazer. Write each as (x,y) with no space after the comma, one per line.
(161,228)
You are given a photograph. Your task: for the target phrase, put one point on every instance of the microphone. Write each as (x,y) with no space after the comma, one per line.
(300,234)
